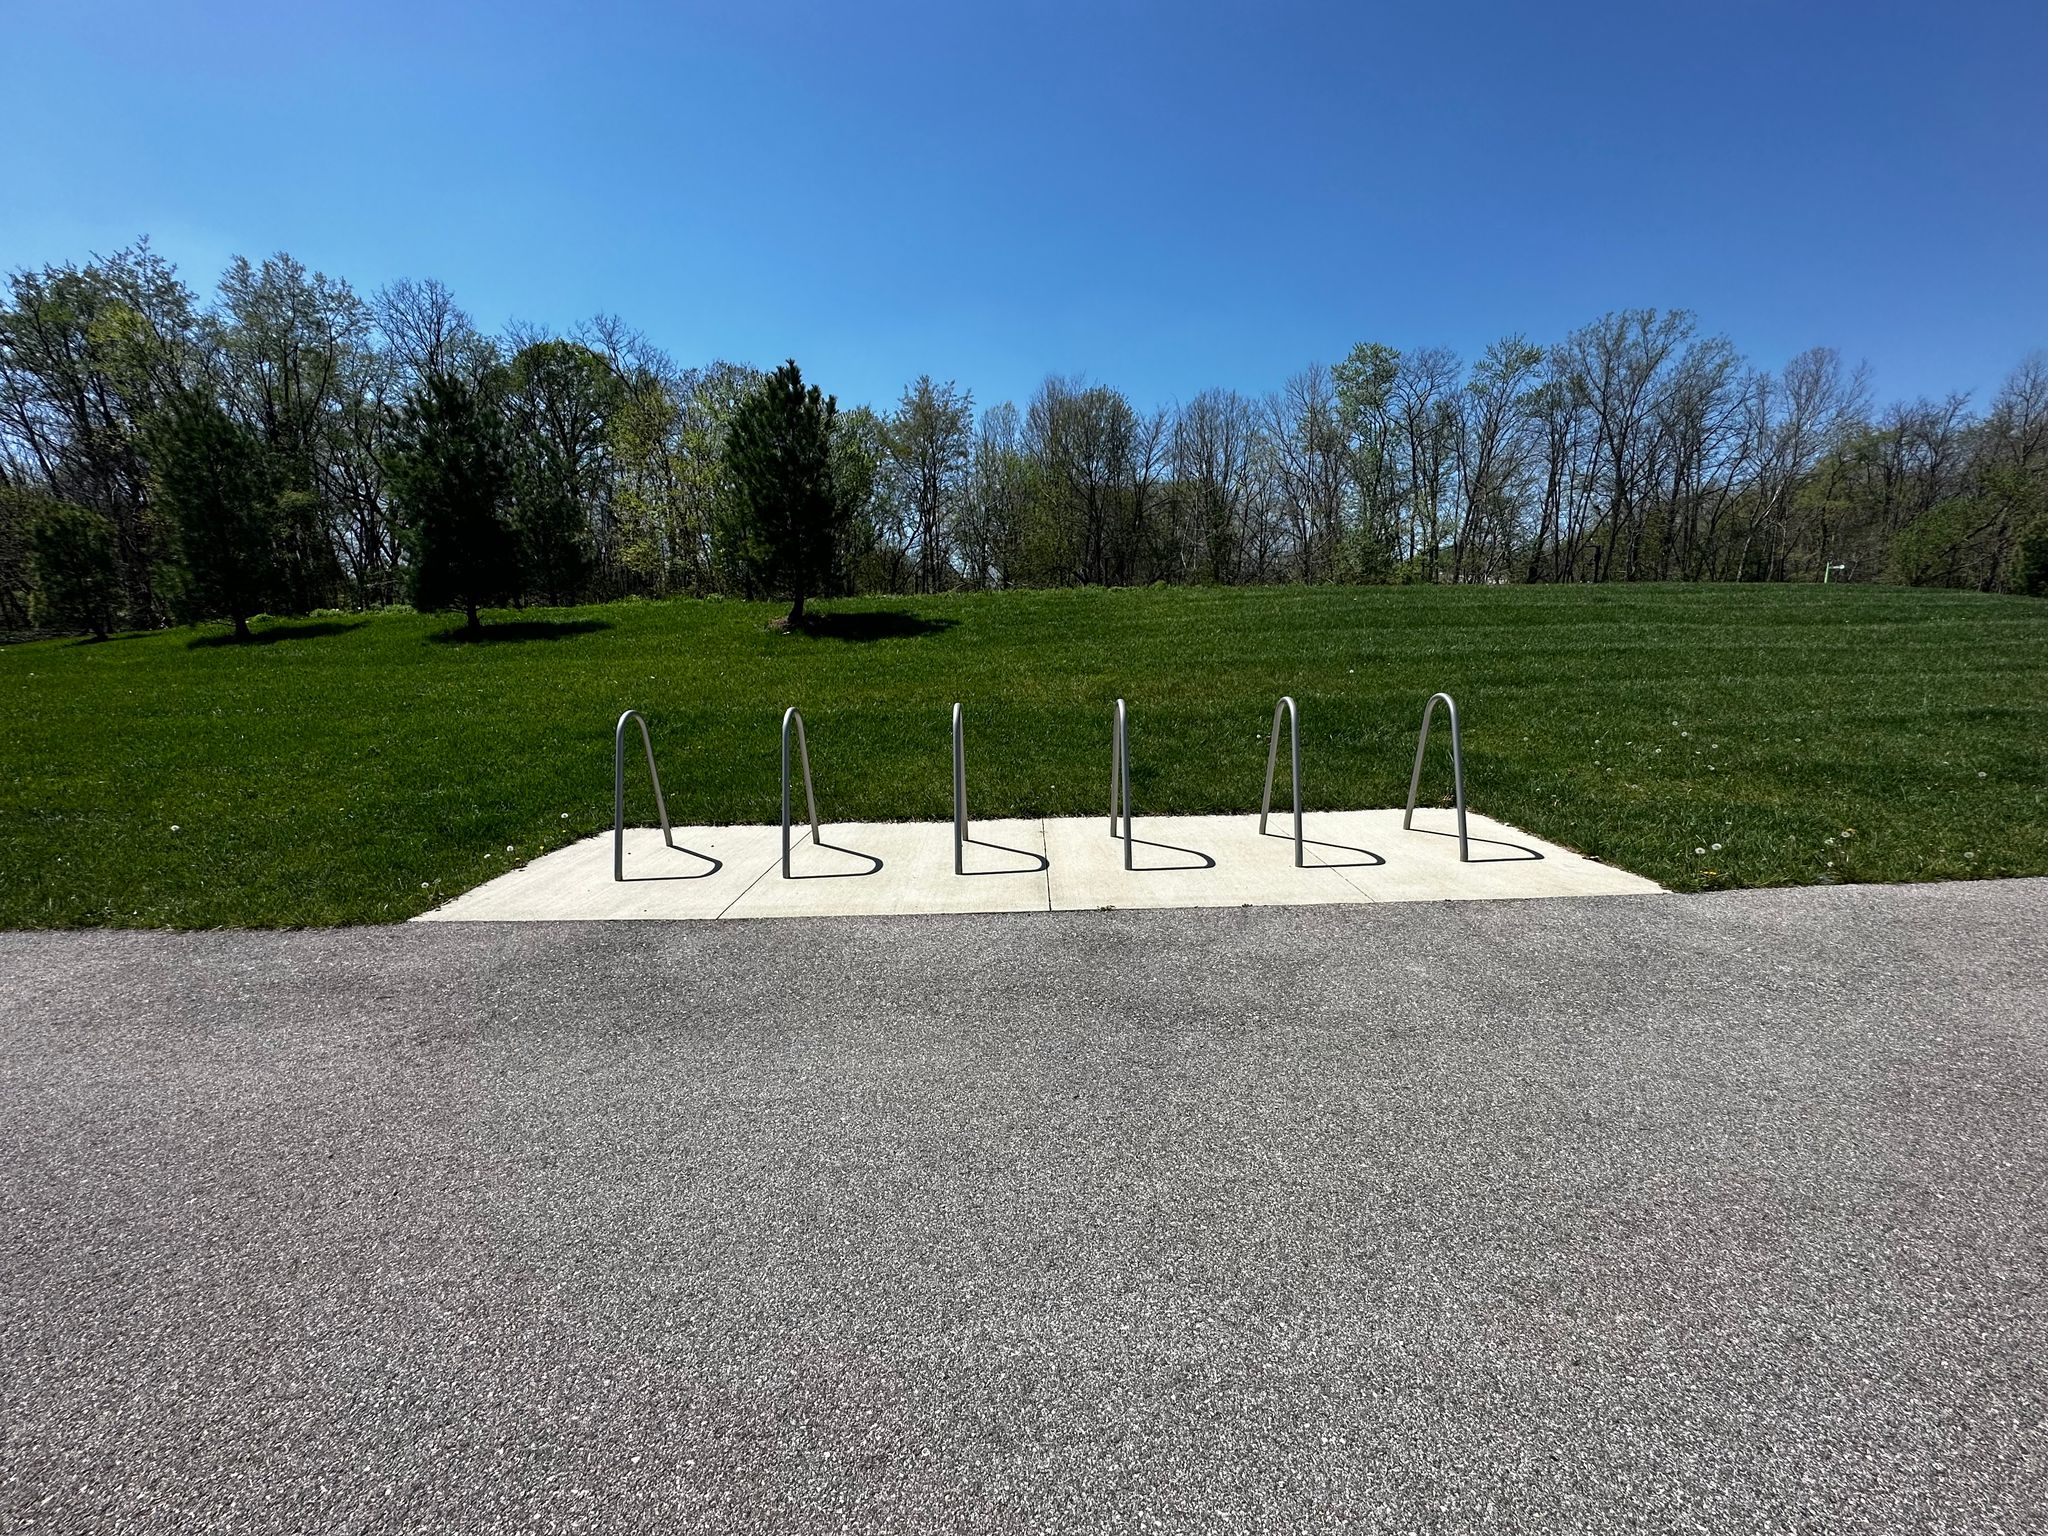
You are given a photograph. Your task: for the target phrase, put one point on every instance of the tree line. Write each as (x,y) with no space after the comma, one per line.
(290,444)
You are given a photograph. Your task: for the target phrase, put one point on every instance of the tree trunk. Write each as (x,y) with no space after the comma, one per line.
(796,610)
(241,626)
(475,624)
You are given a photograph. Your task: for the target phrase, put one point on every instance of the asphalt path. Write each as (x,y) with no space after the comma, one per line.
(1718,1213)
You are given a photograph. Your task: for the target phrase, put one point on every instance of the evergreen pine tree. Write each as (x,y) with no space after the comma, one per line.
(554,539)
(779,451)
(210,478)
(450,472)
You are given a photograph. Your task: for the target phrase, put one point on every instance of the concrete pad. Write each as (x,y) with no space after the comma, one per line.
(1422,864)
(1189,861)
(839,878)
(1064,864)
(575,883)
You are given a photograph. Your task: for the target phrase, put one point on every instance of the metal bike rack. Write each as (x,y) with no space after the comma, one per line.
(1457,769)
(660,802)
(1286,705)
(803,747)
(1120,776)
(961,837)
(619,790)
(959,793)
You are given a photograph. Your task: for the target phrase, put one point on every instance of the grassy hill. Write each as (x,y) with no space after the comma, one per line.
(363,769)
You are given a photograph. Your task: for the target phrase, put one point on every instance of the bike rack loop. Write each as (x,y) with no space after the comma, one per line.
(1457,769)
(791,716)
(1120,776)
(1273,761)
(961,832)
(619,790)
(959,793)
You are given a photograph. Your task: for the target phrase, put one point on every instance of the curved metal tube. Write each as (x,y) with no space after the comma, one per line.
(961,834)
(619,790)
(1457,769)
(1120,776)
(1273,761)
(789,717)
(959,793)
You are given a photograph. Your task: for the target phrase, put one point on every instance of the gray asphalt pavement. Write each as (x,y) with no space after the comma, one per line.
(1719,1213)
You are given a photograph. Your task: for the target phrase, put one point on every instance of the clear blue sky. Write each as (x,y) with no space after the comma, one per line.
(1163,198)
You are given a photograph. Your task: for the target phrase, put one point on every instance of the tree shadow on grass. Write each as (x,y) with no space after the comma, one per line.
(517,630)
(888,624)
(271,634)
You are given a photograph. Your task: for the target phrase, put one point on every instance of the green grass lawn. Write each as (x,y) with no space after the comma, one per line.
(364,769)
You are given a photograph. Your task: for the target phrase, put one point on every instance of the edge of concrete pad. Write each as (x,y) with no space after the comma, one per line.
(1072,863)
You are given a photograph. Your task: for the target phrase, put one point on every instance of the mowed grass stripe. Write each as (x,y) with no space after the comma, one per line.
(362,770)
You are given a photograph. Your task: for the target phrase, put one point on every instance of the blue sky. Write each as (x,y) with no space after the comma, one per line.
(1163,198)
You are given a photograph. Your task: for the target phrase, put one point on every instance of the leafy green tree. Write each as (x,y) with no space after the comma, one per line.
(859,449)
(2032,575)
(1931,551)
(18,512)
(450,471)
(210,476)
(561,399)
(307,572)
(554,539)
(790,504)
(88,356)
(77,580)
(930,444)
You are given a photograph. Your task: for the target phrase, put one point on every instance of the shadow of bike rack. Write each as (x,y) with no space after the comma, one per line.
(960,834)
(1286,706)
(660,803)
(1457,769)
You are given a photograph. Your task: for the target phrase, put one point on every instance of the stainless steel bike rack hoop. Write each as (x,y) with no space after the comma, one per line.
(712,864)
(791,717)
(1120,776)
(962,834)
(959,793)
(1457,769)
(1285,705)
(619,790)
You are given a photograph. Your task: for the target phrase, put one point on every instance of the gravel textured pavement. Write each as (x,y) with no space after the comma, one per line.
(1718,1213)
